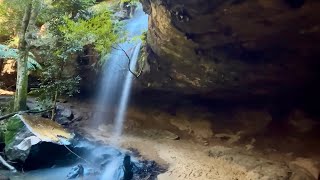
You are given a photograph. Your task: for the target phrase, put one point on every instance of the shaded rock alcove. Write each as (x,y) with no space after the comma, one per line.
(233,49)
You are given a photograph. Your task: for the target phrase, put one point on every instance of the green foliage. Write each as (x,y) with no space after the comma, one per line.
(13,126)
(102,6)
(72,7)
(11,12)
(71,27)
(144,37)
(49,88)
(55,10)
(10,53)
(99,31)
(13,42)
(7,107)
(130,2)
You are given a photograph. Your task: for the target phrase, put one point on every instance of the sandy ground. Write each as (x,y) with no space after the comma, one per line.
(189,160)
(185,160)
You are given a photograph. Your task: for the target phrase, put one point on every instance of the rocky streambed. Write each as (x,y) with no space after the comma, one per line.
(39,148)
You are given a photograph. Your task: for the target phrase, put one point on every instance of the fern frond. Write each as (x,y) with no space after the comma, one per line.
(10,53)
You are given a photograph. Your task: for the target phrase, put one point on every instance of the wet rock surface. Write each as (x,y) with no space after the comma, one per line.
(83,158)
(127,10)
(64,115)
(15,154)
(76,172)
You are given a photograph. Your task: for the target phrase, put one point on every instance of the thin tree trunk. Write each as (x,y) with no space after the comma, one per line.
(53,112)
(20,102)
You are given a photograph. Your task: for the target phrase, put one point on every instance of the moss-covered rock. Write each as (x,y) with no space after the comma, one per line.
(13,126)
(26,131)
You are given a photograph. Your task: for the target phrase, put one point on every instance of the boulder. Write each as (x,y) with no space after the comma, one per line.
(13,151)
(34,131)
(64,112)
(63,120)
(76,172)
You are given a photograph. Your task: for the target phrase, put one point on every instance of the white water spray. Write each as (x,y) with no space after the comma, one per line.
(120,115)
(115,88)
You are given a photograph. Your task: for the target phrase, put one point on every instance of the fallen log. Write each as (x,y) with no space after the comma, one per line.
(11,168)
(33,111)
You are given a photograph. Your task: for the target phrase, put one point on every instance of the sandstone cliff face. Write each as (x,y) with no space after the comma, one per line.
(232,48)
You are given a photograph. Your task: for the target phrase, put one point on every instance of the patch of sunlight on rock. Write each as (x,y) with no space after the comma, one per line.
(5,92)
(8,67)
(47,130)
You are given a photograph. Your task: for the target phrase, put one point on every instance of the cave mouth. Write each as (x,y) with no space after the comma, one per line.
(228,90)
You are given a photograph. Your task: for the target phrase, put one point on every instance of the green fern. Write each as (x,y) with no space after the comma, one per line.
(10,53)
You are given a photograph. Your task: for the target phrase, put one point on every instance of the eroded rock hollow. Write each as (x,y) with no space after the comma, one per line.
(232,49)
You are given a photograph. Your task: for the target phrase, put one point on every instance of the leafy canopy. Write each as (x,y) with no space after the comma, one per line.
(70,28)
(11,12)
(100,31)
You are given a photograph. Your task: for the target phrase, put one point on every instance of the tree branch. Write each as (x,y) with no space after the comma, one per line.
(11,168)
(129,59)
(23,112)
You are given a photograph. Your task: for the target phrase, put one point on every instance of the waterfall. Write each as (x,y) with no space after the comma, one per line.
(120,115)
(115,86)
(114,91)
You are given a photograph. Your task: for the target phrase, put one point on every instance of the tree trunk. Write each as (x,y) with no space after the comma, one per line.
(20,101)
(53,112)
(29,17)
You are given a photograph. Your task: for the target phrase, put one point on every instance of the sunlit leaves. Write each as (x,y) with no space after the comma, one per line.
(11,12)
(98,31)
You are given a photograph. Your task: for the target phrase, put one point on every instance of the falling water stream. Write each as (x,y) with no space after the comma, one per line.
(112,101)
(125,96)
(116,86)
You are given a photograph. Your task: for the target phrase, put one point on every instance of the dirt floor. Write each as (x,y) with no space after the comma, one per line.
(186,159)
(195,144)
